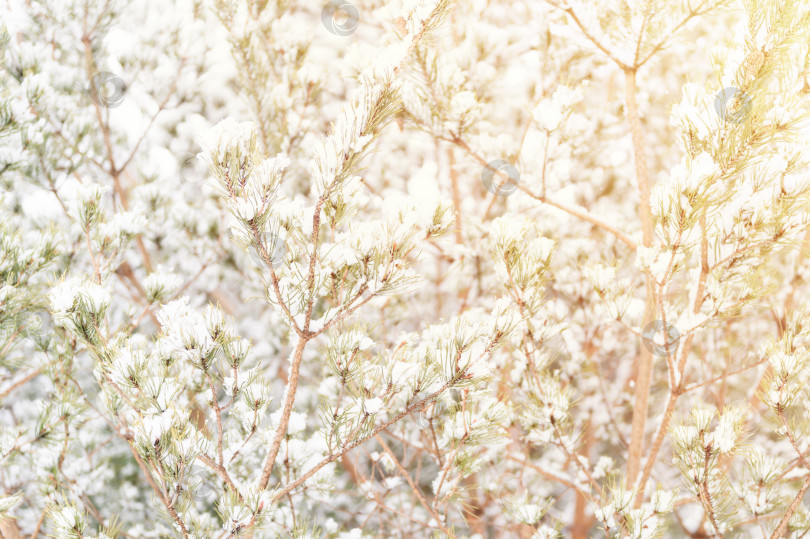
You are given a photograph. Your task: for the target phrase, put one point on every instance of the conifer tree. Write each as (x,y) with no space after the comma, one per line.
(418,268)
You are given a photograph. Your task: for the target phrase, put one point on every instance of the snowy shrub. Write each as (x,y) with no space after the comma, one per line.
(407,268)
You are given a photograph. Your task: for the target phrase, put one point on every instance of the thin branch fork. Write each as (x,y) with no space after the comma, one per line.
(404,473)
(580,213)
(305,334)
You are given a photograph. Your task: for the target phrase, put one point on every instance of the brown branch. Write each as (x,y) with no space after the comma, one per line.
(781,529)
(22,381)
(585,216)
(643,378)
(579,213)
(404,473)
(590,36)
(677,391)
(289,400)
(415,406)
